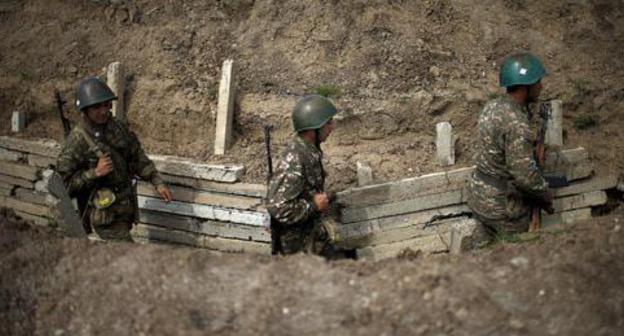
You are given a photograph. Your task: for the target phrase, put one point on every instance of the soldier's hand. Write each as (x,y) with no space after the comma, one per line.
(321,201)
(104,166)
(165,193)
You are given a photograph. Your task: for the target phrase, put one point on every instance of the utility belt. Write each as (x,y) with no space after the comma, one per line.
(104,197)
(497,182)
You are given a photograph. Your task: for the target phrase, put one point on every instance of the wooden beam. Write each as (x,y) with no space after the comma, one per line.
(354,233)
(594,184)
(116,80)
(33,209)
(37,220)
(445,144)
(204,197)
(184,167)
(254,218)
(246,189)
(450,180)
(16,181)
(566,217)
(211,228)
(43,147)
(153,233)
(41,161)
(18,170)
(225,108)
(554,130)
(589,199)
(31,196)
(416,204)
(9,155)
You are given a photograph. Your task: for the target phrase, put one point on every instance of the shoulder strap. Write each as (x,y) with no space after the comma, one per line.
(87,137)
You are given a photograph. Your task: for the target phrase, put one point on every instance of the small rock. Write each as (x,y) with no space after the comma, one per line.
(516,324)
(520,261)
(435,71)
(285,311)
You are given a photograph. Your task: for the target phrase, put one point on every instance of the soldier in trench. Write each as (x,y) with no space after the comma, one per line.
(98,162)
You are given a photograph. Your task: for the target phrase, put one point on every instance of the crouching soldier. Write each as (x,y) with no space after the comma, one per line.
(98,162)
(507,181)
(296,198)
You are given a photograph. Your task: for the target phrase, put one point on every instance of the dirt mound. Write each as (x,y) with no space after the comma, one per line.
(399,66)
(564,283)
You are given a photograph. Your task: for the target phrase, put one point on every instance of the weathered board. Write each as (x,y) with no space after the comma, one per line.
(185,167)
(18,170)
(43,147)
(246,189)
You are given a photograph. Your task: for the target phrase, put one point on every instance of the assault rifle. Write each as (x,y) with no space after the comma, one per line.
(554,180)
(60,103)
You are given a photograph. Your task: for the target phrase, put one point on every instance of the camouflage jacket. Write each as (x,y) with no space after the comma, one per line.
(298,176)
(76,162)
(506,172)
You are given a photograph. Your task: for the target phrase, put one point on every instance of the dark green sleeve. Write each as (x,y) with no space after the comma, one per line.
(73,165)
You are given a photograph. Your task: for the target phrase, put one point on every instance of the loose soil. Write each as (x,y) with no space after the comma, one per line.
(401,67)
(566,282)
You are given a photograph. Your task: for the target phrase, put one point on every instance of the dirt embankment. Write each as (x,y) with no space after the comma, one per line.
(401,67)
(565,283)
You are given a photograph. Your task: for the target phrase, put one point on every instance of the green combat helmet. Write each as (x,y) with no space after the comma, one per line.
(521,69)
(312,112)
(93,91)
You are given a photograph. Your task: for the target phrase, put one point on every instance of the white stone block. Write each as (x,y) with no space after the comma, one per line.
(18,121)
(445,146)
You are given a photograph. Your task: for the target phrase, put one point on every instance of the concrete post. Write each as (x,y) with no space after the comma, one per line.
(445,144)
(225,108)
(364,174)
(116,80)
(554,131)
(18,121)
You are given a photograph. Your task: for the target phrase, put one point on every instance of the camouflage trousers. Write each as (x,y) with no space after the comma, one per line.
(114,222)
(494,228)
(310,237)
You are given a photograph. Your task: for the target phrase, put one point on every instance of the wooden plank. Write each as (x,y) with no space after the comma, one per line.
(5,191)
(554,130)
(116,81)
(225,108)
(33,209)
(445,144)
(37,220)
(31,196)
(211,228)
(41,161)
(204,197)
(43,147)
(16,181)
(589,199)
(416,204)
(254,218)
(450,180)
(405,188)
(387,236)
(226,245)
(434,243)
(594,184)
(9,155)
(566,217)
(18,170)
(358,233)
(247,189)
(184,167)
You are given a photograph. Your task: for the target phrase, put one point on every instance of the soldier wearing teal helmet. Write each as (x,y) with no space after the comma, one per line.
(93,91)
(507,181)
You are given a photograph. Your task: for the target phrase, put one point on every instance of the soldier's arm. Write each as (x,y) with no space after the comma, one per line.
(286,201)
(520,161)
(140,164)
(73,167)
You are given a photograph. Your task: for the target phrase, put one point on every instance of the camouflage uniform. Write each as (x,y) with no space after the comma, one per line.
(298,176)
(506,173)
(76,165)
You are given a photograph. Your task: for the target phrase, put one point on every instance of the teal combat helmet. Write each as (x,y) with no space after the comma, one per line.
(92,91)
(521,69)
(312,112)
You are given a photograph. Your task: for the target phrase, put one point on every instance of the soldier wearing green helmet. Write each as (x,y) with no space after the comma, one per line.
(507,181)
(296,198)
(98,161)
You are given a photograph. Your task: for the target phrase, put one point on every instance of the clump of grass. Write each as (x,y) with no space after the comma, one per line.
(581,86)
(328,90)
(586,121)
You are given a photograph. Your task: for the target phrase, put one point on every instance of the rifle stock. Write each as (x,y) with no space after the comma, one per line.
(60,103)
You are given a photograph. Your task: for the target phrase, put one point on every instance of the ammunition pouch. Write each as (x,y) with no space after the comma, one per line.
(103,198)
